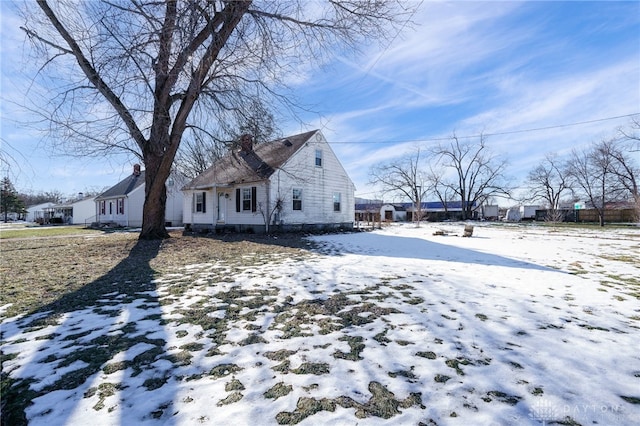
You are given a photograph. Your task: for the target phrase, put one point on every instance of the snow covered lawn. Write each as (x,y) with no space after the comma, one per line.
(514,326)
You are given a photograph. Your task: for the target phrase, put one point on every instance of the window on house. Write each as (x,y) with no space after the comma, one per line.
(120,205)
(103,207)
(336,201)
(110,207)
(297,199)
(199,202)
(319,157)
(246,199)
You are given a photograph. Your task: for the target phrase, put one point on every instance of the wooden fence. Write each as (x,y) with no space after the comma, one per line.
(591,215)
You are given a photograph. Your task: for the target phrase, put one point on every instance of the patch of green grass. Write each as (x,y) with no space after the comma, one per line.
(455,364)
(403,373)
(382,337)
(356,345)
(382,403)
(502,397)
(112,367)
(181,358)
(104,391)
(428,355)
(278,390)
(192,347)
(279,355)
(441,378)
(592,327)
(626,258)
(230,399)
(283,367)
(318,368)
(224,370)
(47,231)
(234,385)
(252,340)
(305,407)
(537,391)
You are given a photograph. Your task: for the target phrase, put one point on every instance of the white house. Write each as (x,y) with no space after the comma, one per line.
(289,184)
(37,212)
(122,204)
(78,212)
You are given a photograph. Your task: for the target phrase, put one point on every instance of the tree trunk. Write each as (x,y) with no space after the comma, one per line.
(155,199)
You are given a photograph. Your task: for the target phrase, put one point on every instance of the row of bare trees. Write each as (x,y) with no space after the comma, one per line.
(606,172)
(461,169)
(467,171)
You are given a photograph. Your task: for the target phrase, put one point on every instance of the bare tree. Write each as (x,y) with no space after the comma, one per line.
(402,177)
(477,174)
(594,173)
(134,76)
(550,181)
(436,185)
(627,170)
(631,134)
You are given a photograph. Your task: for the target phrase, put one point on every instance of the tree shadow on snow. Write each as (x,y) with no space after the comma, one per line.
(78,336)
(374,244)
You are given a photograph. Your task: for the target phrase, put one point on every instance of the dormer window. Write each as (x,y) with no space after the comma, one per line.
(318,158)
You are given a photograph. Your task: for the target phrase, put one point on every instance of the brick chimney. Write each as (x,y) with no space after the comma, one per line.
(246,143)
(136,169)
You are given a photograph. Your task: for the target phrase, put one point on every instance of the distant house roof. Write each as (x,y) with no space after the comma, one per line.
(368,206)
(123,187)
(71,203)
(252,165)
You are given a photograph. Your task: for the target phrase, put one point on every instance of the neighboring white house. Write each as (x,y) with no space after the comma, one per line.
(82,211)
(293,183)
(37,212)
(122,204)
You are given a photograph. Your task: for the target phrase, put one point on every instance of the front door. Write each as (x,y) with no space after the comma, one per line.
(222,206)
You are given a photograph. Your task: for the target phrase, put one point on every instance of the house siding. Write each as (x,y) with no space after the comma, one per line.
(83,212)
(132,212)
(318,184)
(134,204)
(173,209)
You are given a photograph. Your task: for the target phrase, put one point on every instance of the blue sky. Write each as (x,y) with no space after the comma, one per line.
(466,67)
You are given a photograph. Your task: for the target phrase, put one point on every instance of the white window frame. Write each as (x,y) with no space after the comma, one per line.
(246,199)
(337,202)
(296,196)
(199,200)
(318,158)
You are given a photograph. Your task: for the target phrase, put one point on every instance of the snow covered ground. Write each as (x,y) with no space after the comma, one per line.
(514,326)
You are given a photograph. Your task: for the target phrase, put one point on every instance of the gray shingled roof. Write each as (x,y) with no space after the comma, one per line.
(253,166)
(123,187)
